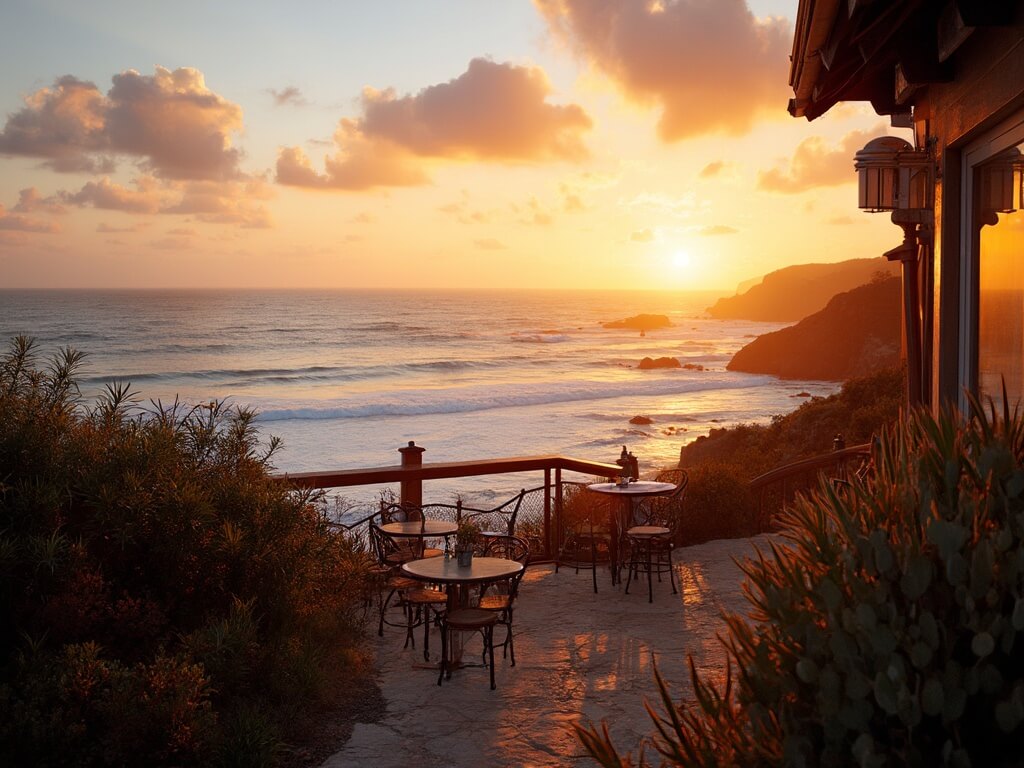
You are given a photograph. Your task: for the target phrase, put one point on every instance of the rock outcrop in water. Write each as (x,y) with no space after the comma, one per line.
(641,323)
(662,362)
(793,293)
(858,332)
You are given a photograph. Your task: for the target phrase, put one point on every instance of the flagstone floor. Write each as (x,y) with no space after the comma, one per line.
(581,657)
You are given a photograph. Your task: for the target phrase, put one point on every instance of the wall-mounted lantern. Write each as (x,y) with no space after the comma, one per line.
(893,176)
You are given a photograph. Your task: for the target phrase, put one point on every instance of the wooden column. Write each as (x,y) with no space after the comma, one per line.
(412,490)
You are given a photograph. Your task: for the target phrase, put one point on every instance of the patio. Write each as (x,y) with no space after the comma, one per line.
(579,655)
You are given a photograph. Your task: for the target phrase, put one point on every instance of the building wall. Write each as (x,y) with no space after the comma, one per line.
(987,88)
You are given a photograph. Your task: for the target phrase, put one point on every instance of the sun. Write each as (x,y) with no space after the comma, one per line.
(680,260)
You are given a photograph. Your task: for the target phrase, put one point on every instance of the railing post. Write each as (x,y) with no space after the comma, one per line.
(412,490)
(547,510)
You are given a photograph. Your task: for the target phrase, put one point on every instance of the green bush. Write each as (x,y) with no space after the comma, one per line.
(888,627)
(863,407)
(718,504)
(154,578)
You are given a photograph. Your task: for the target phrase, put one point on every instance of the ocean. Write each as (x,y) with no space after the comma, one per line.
(345,378)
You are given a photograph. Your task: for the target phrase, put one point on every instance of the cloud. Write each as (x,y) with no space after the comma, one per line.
(15,222)
(713,169)
(170,123)
(492,112)
(665,205)
(718,229)
(364,217)
(642,236)
(146,197)
(489,244)
(841,221)
(816,164)
(288,97)
(571,200)
(108,229)
(29,201)
(227,202)
(710,65)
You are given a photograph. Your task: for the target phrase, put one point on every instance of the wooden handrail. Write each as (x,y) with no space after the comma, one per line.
(813,463)
(344,478)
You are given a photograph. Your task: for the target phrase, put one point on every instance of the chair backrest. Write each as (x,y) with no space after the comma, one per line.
(391,512)
(380,544)
(509,547)
(513,548)
(663,510)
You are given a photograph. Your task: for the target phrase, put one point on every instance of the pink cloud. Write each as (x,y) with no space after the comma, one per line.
(223,202)
(146,197)
(816,164)
(17,223)
(30,201)
(170,123)
(492,112)
(710,65)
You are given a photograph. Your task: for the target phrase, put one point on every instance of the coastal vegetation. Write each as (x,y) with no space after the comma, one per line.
(721,464)
(163,600)
(886,625)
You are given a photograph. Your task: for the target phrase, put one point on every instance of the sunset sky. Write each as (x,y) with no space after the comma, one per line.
(453,143)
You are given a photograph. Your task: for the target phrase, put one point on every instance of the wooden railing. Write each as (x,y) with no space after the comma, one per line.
(411,474)
(800,475)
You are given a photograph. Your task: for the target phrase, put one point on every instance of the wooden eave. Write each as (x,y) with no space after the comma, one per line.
(878,51)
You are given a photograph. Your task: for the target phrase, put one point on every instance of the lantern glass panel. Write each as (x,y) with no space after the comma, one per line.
(877,188)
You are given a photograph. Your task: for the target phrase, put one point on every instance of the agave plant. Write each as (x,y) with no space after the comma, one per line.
(886,623)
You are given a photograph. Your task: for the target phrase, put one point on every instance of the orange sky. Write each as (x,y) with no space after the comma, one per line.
(561,144)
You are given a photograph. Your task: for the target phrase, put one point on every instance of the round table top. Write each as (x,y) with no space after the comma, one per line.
(420,528)
(638,488)
(647,531)
(441,571)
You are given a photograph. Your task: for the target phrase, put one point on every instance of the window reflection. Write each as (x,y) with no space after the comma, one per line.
(998,211)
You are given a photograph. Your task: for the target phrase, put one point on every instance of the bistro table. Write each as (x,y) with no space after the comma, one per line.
(441,570)
(626,493)
(420,529)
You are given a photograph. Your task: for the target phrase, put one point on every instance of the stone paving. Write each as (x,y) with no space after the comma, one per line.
(580,657)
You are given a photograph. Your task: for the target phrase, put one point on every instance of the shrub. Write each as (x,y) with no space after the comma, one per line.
(887,629)
(718,504)
(154,576)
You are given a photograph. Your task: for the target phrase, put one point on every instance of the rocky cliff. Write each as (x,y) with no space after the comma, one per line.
(856,333)
(793,293)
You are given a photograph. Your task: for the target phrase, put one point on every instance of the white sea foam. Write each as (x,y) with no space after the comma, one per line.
(483,398)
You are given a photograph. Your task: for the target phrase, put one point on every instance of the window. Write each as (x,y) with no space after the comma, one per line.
(998,215)
(992,274)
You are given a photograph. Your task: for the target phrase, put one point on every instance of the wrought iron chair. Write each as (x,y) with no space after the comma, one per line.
(584,545)
(468,620)
(649,552)
(501,521)
(500,596)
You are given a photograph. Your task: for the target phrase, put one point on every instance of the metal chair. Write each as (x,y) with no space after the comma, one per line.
(500,596)
(584,546)
(651,553)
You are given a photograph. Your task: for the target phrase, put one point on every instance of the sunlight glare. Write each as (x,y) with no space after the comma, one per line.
(680,260)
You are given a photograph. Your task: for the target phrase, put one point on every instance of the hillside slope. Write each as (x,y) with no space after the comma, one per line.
(856,333)
(793,293)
